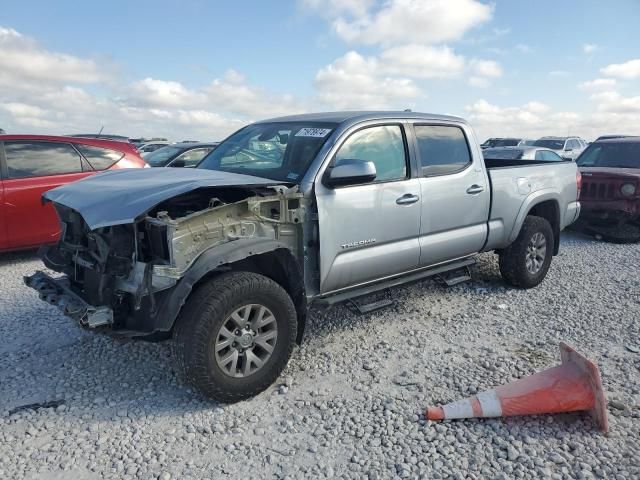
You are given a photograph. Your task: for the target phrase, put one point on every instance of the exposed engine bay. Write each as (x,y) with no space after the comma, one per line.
(127,267)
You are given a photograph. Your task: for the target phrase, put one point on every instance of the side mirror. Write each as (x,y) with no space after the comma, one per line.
(351,172)
(177,163)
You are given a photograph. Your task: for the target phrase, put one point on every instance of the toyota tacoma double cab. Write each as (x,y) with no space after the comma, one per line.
(226,258)
(611,191)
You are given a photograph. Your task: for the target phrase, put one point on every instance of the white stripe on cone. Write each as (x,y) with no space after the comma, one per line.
(490,404)
(458,409)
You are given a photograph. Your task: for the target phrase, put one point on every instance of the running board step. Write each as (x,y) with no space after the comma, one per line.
(455,277)
(340,296)
(365,308)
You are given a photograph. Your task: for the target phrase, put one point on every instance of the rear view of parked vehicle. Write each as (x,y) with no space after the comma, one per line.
(184,154)
(610,194)
(568,148)
(526,154)
(32,164)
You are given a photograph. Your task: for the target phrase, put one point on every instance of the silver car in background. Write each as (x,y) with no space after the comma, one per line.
(568,148)
(523,153)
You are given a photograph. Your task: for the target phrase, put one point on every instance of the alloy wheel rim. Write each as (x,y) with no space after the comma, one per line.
(246,340)
(536,253)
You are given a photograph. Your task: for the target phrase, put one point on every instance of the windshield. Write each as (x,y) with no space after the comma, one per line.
(611,155)
(279,151)
(162,156)
(552,144)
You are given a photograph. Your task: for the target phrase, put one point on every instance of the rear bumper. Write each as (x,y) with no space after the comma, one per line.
(56,291)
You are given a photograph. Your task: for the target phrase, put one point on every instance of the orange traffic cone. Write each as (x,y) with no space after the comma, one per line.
(574,385)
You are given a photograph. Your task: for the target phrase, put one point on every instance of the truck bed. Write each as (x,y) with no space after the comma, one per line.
(516,185)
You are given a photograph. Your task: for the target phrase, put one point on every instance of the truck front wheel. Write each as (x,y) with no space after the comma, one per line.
(234,336)
(526,261)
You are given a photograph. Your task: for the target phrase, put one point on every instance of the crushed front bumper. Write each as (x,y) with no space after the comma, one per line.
(56,291)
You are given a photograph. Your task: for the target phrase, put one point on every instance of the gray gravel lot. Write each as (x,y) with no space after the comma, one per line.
(350,403)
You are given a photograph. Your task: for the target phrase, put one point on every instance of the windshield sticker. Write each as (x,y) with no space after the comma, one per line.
(313,132)
(293,176)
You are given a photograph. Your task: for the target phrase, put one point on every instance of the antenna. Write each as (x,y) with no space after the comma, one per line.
(101,128)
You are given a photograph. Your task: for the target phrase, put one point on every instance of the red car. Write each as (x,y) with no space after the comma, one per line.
(33,164)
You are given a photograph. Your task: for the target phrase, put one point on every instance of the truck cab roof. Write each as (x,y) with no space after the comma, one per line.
(352,117)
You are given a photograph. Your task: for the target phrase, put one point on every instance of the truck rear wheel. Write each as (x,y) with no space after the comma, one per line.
(234,336)
(526,261)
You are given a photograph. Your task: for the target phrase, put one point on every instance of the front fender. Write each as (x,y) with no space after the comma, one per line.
(211,260)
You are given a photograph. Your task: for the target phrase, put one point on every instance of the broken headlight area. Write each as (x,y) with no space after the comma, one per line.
(131,268)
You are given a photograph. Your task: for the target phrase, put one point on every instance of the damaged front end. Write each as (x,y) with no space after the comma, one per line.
(127,277)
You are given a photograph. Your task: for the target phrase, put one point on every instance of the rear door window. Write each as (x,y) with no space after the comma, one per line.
(443,149)
(100,158)
(38,159)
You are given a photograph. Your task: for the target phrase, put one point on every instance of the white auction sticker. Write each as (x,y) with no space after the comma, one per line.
(313,132)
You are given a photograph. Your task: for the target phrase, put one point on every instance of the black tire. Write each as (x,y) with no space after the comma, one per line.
(513,259)
(201,319)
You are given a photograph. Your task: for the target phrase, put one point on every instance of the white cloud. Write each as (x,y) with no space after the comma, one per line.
(28,115)
(612,112)
(613,102)
(486,68)
(598,84)
(233,94)
(23,64)
(51,92)
(163,93)
(523,48)
(479,82)
(483,72)
(356,82)
(629,70)
(413,21)
(421,61)
(589,48)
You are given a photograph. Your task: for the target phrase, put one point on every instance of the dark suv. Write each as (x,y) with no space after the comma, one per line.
(610,195)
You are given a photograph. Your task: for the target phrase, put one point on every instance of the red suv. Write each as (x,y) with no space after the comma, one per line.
(33,164)
(610,195)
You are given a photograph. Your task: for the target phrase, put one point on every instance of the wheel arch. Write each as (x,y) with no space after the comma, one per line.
(541,204)
(267,257)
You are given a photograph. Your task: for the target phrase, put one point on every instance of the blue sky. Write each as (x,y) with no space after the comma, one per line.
(204,68)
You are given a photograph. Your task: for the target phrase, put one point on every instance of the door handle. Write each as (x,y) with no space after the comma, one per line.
(473,189)
(407,199)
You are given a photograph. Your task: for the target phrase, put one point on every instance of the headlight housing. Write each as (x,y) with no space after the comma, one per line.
(628,189)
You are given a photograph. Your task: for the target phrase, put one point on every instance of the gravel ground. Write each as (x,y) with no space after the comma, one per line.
(350,403)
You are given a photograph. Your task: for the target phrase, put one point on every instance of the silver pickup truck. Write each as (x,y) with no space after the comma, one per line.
(226,258)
